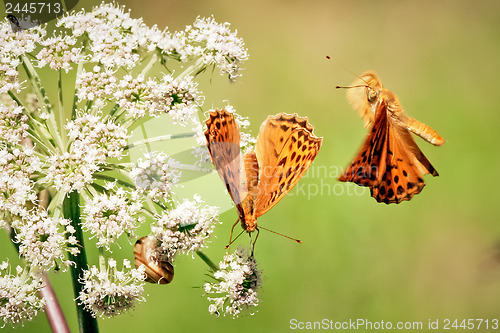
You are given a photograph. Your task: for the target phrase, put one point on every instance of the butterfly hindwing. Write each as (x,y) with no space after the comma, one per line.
(285,148)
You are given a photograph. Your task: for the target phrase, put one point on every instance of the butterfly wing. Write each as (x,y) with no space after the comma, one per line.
(390,162)
(285,148)
(223,142)
(369,163)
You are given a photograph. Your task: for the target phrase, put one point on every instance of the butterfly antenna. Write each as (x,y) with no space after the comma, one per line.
(277,233)
(348,70)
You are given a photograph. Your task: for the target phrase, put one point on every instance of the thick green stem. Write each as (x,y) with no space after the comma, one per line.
(71,210)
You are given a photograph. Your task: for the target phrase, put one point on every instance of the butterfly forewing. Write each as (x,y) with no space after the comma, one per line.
(369,164)
(285,149)
(223,142)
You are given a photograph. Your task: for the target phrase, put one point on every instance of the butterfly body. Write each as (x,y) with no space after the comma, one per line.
(257,180)
(390,162)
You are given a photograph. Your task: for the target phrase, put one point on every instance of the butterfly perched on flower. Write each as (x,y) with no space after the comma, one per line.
(389,162)
(257,180)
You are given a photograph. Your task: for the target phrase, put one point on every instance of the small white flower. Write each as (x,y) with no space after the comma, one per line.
(155,175)
(184,229)
(108,216)
(19,295)
(110,292)
(238,280)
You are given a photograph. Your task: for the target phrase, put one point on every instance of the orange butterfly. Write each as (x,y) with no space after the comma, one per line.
(390,162)
(285,148)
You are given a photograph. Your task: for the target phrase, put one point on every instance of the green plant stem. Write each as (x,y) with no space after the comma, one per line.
(210,263)
(160,138)
(71,211)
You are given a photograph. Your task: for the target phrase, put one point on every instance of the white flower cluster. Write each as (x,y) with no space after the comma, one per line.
(219,45)
(13,123)
(108,292)
(72,171)
(179,98)
(155,175)
(109,216)
(185,228)
(16,167)
(96,85)
(19,297)
(59,53)
(237,282)
(14,45)
(105,138)
(115,38)
(44,241)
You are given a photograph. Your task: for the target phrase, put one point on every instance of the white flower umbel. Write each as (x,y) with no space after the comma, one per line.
(45,241)
(19,295)
(108,292)
(179,98)
(218,45)
(185,228)
(155,175)
(109,216)
(238,280)
(13,123)
(106,138)
(59,53)
(96,85)
(13,45)
(17,165)
(72,171)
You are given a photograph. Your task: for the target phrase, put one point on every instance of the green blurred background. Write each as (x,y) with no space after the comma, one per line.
(435,257)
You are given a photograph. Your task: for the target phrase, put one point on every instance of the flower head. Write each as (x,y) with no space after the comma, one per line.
(17,165)
(108,292)
(218,45)
(155,175)
(44,241)
(184,229)
(108,216)
(59,53)
(19,295)
(238,280)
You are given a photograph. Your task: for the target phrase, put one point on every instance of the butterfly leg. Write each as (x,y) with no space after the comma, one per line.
(255,240)
(231,236)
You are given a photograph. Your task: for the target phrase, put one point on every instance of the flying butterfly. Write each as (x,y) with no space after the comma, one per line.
(389,162)
(256,181)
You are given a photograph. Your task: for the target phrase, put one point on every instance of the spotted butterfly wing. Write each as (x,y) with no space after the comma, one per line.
(285,148)
(390,162)
(223,142)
